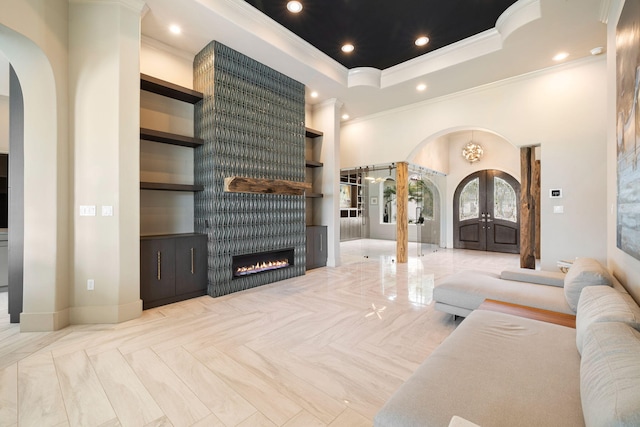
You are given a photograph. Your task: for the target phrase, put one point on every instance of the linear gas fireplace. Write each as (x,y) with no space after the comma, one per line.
(244,265)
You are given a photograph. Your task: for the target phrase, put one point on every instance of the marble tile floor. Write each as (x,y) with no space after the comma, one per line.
(324,349)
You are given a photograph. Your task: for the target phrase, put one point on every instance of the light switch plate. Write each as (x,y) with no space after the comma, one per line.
(107,211)
(87,210)
(558,209)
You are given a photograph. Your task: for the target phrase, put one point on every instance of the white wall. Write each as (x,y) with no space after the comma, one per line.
(34,39)
(104,49)
(624,266)
(562,109)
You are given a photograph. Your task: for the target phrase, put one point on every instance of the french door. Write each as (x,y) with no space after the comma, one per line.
(485,210)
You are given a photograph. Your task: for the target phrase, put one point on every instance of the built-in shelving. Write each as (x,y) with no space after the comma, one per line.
(173,267)
(312,133)
(313,136)
(170,138)
(351,205)
(316,235)
(170,187)
(180,93)
(170,90)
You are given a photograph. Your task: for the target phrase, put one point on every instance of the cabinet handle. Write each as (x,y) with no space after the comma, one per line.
(159,275)
(192,263)
(321,243)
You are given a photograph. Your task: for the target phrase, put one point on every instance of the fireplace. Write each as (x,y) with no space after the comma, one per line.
(245,265)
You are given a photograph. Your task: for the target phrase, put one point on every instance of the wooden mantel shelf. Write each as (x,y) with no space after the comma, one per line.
(240,184)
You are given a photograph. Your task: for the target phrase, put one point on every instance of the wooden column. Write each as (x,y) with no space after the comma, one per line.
(527,208)
(402,218)
(537,199)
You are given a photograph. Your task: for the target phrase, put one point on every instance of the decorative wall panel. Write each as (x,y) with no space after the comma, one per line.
(252,122)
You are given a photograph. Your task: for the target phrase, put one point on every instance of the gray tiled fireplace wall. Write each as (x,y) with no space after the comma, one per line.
(252,122)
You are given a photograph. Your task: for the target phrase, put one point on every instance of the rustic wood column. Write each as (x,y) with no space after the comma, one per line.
(527,208)
(537,199)
(402,206)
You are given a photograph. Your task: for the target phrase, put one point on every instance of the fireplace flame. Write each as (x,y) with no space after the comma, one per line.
(261,266)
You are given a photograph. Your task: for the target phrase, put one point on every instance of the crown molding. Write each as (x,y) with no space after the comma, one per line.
(605,10)
(476,89)
(156,44)
(135,5)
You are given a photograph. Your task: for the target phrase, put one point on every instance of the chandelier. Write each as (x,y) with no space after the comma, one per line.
(472,151)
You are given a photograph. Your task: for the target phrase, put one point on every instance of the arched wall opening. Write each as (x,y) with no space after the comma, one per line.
(442,152)
(44,240)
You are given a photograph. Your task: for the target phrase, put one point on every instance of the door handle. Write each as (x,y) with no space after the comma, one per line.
(159,264)
(192,261)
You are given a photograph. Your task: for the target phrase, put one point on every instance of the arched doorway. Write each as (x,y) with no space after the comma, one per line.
(39,299)
(485,212)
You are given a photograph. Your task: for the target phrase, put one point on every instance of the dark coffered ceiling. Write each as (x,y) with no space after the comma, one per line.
(383,31)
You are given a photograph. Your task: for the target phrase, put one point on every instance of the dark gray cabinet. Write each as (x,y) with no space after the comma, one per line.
(172,268)
(316,246)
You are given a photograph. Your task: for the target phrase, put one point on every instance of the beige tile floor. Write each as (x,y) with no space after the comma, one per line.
(324,349)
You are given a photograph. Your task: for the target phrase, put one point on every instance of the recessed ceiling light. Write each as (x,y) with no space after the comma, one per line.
(421,87)
(597,50)
(561,56)
(347,48)
(421,41)
(345,117)
(314,94)
(175,29)
(294,6)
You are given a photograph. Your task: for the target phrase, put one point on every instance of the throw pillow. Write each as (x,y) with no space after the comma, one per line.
(584,272)
(604,304)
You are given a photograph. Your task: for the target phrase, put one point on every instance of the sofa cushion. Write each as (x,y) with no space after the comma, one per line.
(468,289)
(604,304)
(494,370)
(541,277)
(610,375)
(584,272)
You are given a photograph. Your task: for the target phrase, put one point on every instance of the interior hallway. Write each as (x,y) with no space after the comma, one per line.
(324,349)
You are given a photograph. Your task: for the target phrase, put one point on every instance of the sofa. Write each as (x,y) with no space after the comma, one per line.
(463,292)
(499,369)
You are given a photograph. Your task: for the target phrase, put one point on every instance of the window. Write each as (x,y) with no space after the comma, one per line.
(504,201)
(469,199)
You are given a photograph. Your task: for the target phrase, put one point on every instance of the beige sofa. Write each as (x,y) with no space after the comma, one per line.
(498,370)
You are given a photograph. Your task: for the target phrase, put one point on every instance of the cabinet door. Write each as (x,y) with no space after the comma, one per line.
(311,252)
(157,269)
(321,245)
(316,247)
(191,264)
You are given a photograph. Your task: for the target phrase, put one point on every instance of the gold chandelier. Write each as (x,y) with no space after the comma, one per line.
(472,151)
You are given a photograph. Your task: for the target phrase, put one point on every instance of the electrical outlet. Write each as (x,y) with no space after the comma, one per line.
(90,284)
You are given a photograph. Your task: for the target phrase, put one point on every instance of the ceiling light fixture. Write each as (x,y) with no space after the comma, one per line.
(348,48)
(294,6)
(314,94)
(597,51)
(561,56)
(472,151)
(421,87)
(175,29)
(421,41)
(345,117)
